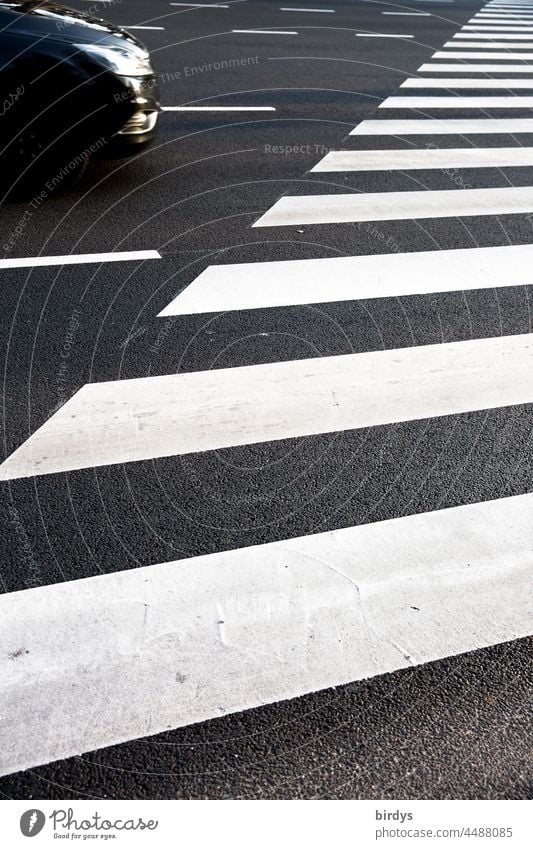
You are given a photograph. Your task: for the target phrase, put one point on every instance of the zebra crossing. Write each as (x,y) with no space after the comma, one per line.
(241,628)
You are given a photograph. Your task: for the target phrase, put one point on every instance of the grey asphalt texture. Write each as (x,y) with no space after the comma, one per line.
(458,728)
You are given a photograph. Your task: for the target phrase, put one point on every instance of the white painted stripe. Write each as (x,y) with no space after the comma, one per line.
(380,35)
(129,420)
(467,54)
(496,28)
(494,45)
(485,18)
(458,67)
(501,35)
(457,102)
(457,83)
(294,9)
(218,108)
(265,32)
(408,14)
(120,656)
(402,160)
(259,285)
(202,5)
(396,206)
(126,26)
(434,126)
(77,259)
(498,21)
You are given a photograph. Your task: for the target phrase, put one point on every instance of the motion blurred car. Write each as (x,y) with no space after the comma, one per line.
(71,86)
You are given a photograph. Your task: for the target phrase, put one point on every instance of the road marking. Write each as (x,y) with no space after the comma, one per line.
(466,54)
(126,26)
(380,35)
(202,5)
(404,160)
(136,652)
(144,418)
(218,108)
(456,102)
(294,9)
(396,206)
(409,14)
(458,82)
(265,32)
(502,35)
(458,67)
(259,285)
(77,259)
(495,28)
(495,45)
(444,126)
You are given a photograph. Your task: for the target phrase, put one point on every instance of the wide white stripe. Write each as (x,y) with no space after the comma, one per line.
(457,82)
(258,285)
(493,45)
(501,35)
(391,206)
(443,126)
(102,660)
(496,28)
(202,5)
(408,14)
(77,259)
(515,18)
(380,35)
(126,26)
(467,54)
(218,108)
(128,420)
(458,102)
(445,68)
(394,160)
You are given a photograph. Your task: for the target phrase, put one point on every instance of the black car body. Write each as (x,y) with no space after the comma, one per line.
(71,85)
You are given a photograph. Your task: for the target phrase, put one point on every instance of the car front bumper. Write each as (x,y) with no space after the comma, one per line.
(141,127)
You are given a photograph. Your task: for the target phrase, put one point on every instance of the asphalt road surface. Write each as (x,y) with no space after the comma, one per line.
(327,437)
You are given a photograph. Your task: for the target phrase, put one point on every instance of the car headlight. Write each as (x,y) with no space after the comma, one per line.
(130,61)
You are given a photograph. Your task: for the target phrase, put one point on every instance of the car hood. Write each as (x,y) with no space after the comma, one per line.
(45,18)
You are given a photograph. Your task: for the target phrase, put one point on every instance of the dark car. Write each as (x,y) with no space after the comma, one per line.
(71,86)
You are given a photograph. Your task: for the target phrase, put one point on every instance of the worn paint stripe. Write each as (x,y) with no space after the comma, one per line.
(257,285)
(98,661)
(129,420)
(394,206)
(457,83)
(463,68)
(458,102)
(394,160)
(469,54)
(443,126)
